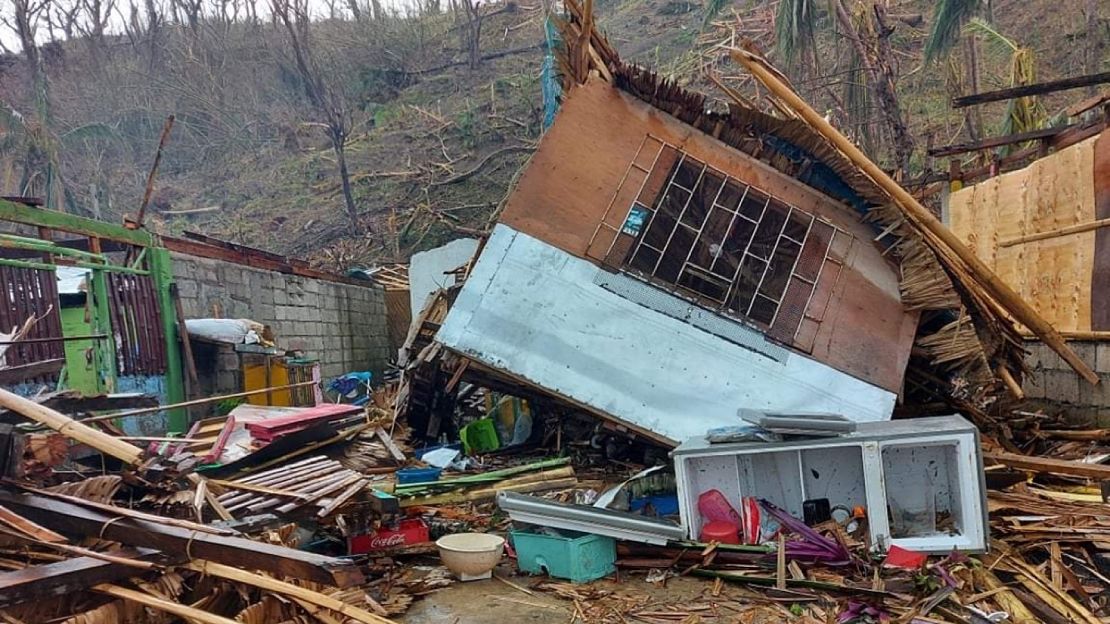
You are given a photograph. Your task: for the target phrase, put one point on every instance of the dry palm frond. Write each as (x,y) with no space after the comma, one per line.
(1024,113)
(271,610)
(99,489)
(116,612)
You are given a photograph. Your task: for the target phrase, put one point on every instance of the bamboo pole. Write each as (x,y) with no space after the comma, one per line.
(994,286)
(288,589)
(1064,231)
(143,598)
(107,444)
(162,408)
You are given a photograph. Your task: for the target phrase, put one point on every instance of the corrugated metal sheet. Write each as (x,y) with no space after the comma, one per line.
(537,312)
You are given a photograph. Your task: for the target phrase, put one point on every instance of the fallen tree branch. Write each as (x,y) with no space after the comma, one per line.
(469,173)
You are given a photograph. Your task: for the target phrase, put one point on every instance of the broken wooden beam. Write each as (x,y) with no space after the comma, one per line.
(18,374)
(1046,464)
(68,518)
(70,575)
(999,141)
(107,444)
(1039,88)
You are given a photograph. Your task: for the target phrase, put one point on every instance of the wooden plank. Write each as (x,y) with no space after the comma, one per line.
(999,141)
(70,575)
(1039,88)
(390,445)
(1055,466)
(25,526)
(74,519)
(10,211)
(23,372)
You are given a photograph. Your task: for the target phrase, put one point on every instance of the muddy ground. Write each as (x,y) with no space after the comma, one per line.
(495,602)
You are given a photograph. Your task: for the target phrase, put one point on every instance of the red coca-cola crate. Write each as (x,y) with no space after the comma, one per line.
(409,532)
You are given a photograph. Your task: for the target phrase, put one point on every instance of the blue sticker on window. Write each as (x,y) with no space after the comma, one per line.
(635,221)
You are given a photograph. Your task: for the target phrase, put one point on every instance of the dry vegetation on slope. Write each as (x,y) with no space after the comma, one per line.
(432,143)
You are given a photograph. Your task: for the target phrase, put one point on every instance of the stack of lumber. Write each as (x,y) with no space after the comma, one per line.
(266,431)
(317,482)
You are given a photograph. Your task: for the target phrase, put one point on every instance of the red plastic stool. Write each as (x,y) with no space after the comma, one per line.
(720,531)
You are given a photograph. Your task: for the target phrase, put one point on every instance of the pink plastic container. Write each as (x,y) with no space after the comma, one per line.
(714,507)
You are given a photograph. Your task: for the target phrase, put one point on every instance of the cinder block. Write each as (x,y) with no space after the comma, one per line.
(1041,357)
(1102,357)
(1086,351)
(1062,386)
(1095,395)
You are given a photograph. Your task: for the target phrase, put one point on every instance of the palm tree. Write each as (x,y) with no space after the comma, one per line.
(795,24)
(1024,113)
(949,19)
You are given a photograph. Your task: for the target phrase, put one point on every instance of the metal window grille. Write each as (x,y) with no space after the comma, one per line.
(710,237)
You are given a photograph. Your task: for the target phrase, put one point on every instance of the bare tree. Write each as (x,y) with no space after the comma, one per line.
(870,34)
(473,32)
(327,102)
(1095,41)
(193,11)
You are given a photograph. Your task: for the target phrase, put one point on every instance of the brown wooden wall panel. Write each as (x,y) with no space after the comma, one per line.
(1100,274)
(26,293)
(569,186)
(137,324)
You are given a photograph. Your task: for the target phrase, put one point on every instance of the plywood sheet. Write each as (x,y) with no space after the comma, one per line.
(1053,274)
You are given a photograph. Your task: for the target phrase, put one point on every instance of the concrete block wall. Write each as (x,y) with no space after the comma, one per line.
(1052,380)
(344,326)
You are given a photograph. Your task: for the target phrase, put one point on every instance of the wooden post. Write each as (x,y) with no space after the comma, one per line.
(995,287)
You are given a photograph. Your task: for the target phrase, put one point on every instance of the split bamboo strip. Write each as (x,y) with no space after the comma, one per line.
(1064,231)
(288,589)
(345,482)
(995,287)
(209,497)
(107,444)
(343,497)
(204,401)
(1019,613)
(143,598)
(235,485)
(488,494)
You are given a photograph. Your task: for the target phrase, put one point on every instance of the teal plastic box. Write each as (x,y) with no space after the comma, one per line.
(580,557)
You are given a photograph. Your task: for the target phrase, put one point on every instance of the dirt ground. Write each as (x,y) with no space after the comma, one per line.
(494,602)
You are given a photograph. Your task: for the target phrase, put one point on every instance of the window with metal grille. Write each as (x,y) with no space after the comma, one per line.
(711,237)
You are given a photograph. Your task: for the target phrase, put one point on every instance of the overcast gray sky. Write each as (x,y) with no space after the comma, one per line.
(317,8)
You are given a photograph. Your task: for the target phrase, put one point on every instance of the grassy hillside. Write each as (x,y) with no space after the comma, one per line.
(433,144)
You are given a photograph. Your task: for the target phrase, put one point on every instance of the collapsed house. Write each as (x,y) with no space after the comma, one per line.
(659,265)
